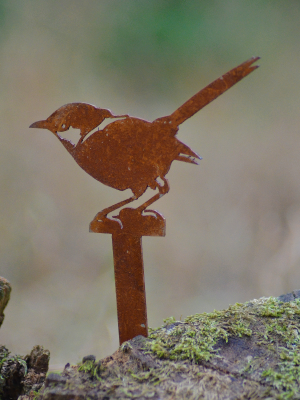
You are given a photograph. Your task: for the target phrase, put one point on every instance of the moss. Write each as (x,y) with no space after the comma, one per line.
(4,353)
(22,376)
(90,367)
(250,349)
(6,359)
(195,338)
(285,326)
(275,325)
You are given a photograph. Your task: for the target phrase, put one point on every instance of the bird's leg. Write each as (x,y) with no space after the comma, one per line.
(103,213)
(162,190)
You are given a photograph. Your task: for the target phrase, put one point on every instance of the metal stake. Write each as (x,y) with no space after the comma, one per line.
(130,286)
(127,230)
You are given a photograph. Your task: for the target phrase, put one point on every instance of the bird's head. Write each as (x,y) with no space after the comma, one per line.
(76,115)
(60,120)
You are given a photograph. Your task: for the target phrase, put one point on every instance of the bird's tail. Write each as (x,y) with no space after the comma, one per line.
(212,91)
(187,154)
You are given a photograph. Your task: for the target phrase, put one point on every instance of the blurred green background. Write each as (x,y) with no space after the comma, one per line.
(233,223)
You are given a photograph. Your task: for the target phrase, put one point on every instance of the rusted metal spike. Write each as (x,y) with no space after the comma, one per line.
(130,286)
(131,153)
(127,230)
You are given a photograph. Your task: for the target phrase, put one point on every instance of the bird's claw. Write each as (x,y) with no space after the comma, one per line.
(163,189)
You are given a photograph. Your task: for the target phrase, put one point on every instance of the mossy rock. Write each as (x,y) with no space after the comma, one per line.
(5,290)
(248,351)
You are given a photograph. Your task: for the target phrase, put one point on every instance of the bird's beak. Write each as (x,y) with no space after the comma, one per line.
(40,124)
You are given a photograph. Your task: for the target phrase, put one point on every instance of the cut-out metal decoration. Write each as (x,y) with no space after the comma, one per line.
(131,153)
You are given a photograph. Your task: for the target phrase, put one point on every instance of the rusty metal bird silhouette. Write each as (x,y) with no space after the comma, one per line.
(132,153)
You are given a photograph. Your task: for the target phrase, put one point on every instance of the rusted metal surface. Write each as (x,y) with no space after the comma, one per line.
(130,286)
(127,230)
(131,153)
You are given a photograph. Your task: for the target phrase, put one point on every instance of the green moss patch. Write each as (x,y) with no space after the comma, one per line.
(249,350)
(271,325)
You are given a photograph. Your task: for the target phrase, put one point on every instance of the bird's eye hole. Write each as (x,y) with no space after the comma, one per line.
(63,126)
(73,135)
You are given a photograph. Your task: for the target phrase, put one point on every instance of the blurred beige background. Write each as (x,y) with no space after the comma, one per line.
(233,223)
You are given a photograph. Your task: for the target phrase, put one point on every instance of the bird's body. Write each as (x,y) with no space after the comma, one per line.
(132,153)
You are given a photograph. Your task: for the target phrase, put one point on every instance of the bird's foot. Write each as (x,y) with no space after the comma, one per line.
(101,223)
(130,221)
(163,189)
